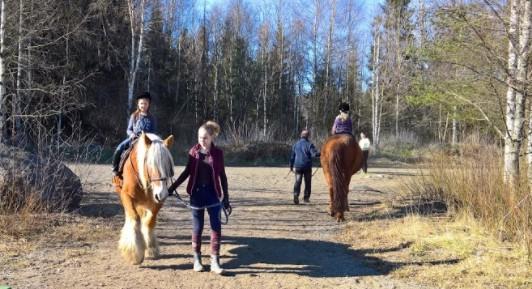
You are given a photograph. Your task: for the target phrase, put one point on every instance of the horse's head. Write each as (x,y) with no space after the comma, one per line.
(155,165)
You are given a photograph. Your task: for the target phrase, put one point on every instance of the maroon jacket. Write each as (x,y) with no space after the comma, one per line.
(216,160)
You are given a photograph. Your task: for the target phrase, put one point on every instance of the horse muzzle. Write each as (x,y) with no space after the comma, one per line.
(160,197)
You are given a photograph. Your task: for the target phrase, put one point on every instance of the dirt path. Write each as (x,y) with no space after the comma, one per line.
(269,243)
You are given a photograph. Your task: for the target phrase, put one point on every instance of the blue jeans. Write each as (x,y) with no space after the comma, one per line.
(124,145)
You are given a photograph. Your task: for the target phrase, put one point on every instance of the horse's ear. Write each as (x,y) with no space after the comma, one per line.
(169,141)
(144,138)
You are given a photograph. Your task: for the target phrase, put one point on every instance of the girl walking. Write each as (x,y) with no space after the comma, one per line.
(207,187)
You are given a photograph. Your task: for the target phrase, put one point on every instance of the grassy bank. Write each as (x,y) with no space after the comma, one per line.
(463,228)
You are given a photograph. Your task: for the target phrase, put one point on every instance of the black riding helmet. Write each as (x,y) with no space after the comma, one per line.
(144,95)
(344,107)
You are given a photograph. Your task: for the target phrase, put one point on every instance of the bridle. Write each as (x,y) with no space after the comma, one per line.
(149,179)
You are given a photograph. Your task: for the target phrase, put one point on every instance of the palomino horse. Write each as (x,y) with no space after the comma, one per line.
(147,172)
(341,157)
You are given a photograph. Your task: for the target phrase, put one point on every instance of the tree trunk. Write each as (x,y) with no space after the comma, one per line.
(312,107)
(454,135)
(328,60)
(215,107)
(136,47)
(178,75)
(265,94)
(515,98)
(17,96)
(397,116)
(522,69)
(2,68)
(376,102)
(63,96)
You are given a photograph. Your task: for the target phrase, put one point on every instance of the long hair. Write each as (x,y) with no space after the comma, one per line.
(343,116)
(137,111)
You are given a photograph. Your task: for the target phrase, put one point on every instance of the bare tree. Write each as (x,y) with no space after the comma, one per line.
(264,44)
(136,9)
(2,68)
(518,51)
(328,58)
(376,93)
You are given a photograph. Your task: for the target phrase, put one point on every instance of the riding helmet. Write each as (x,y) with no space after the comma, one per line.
(344,107)
(144,95)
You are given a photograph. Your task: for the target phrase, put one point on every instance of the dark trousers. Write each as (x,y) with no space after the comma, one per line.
(365,161)
(118,153)
(198,220)
(305,173)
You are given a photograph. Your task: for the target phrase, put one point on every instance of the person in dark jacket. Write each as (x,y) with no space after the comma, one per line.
(301,159)
(140,121)
(207,187)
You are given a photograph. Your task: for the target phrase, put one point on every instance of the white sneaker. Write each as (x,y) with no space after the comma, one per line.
(198,267)
(215,265)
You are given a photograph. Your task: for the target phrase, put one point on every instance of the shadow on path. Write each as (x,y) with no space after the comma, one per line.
(320,259)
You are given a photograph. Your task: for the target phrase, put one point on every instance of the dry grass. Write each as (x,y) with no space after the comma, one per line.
(472,184)
(441,252)
(24,235)
(483,241)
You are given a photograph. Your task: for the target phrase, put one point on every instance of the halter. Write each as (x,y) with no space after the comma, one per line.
(149,179)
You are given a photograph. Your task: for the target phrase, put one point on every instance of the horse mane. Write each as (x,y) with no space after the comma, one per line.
(155,157)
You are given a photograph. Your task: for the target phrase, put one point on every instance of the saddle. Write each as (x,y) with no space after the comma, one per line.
(118,179)
(124,156)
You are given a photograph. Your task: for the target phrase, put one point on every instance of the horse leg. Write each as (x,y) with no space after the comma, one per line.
(340,217)
(345,207)
(131,244)
(346,200)
(329,181)
(331,199)
(148,224)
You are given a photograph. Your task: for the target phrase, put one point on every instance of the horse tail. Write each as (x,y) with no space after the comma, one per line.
(338,180)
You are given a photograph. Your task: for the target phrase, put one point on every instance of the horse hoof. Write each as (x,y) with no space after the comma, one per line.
(133,258)
(340,217)
(340,220)
(152,253)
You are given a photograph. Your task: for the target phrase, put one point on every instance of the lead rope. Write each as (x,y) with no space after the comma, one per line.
(227,212)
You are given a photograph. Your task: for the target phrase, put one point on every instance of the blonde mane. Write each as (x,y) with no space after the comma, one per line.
(156,157)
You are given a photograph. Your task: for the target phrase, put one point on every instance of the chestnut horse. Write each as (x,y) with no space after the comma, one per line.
(341,157)
(146,176)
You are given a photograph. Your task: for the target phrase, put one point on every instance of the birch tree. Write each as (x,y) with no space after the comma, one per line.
(376,93)
(328,58)
(136,10)
(518,51)
(2,68)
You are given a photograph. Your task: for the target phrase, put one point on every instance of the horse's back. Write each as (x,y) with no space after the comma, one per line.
(342,149)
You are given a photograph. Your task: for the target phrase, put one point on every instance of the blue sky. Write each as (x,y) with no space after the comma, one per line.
(369,8)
